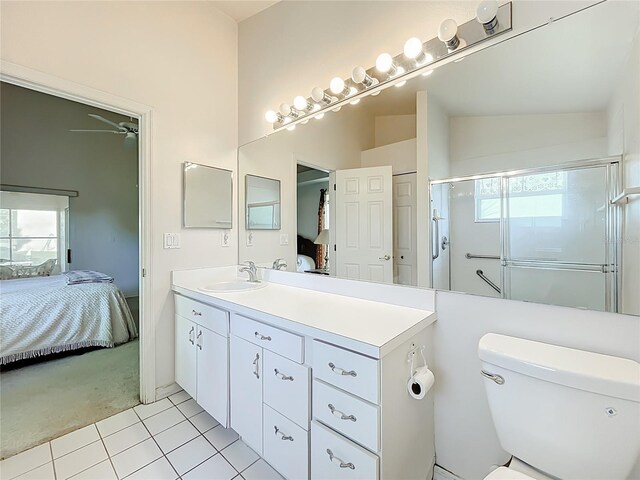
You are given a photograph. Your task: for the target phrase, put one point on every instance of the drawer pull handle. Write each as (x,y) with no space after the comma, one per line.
(341,415)
(282,435)
(337,461)
(198,339)
(282,375)
(191,335)
(256,370)
(197,314)
(341,371)
(259,336)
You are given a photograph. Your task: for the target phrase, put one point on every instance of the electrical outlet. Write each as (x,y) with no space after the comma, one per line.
(284,239)
(225,238)
(249,239)
(171,240)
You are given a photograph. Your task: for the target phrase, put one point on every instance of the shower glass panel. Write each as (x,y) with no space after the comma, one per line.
(556,237)
(544,235)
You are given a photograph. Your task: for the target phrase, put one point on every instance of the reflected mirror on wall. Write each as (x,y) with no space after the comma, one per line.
(208,196)
(262,203)
(498,184)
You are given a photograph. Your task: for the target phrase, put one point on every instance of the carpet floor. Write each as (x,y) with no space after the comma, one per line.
(42,401)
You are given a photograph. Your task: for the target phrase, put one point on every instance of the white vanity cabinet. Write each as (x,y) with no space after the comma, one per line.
(201,362)
(270,394)
(318,396)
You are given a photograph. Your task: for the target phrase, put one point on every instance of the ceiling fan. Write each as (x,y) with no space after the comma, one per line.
(128,129)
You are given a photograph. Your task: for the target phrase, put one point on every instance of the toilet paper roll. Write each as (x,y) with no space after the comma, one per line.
(420,383)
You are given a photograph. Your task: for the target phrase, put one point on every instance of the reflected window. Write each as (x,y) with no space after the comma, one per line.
(530,196)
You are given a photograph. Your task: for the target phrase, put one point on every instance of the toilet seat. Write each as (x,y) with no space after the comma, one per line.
(504,473)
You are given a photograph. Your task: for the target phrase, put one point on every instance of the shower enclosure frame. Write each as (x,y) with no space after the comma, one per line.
(613,224)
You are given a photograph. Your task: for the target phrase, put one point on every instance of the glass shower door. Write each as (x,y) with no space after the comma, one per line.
(556,237)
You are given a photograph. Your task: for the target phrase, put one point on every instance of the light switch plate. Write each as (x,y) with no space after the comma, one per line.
(225,238)
(171,240)
(284,239)
(249,239)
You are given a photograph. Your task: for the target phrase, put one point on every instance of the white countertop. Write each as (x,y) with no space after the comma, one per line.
(377,327)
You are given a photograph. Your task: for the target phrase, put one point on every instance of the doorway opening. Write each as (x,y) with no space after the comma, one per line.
(70,203)
(314,240)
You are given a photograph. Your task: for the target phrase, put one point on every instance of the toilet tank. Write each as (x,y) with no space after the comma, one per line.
(570,413)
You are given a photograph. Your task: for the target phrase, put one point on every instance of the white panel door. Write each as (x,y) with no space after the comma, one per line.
(364,228)
(246,391)
(212,374)
(405,239)
(185,364)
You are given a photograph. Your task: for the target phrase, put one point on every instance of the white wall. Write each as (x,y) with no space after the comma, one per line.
(181,59)
(401,156)
(38,150)
(624,134)
(501,142)
(394,128)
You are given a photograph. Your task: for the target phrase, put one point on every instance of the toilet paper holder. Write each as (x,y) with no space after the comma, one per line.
(411,355)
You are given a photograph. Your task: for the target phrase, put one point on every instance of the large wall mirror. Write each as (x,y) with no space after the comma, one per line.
(492,175)
(208,197)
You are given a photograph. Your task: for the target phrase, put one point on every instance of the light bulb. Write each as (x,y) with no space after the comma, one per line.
(338,87)
(285,109)
(487,11)
(486,15)
(447,33)
(400,84)
(319,95)
(291,127)
(413,48)
(359,75)
(271,116)
(427,73)
(319,116)
(301,103)
(384,64)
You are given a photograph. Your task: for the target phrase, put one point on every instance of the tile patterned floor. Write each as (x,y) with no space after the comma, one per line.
(167,440)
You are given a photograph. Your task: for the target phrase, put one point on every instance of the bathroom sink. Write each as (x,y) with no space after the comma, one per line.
(233,286)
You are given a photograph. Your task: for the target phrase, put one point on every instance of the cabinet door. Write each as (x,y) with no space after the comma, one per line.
(212,374)
(246,391)
(185,363)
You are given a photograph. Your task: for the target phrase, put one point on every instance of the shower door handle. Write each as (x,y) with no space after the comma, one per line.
(437,237)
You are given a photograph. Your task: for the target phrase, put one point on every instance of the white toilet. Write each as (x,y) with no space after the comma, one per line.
(562,413)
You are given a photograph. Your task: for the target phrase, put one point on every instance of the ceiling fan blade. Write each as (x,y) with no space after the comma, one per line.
(98,131)
(102,119)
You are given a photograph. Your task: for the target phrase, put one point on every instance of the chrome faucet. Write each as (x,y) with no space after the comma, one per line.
(252,271)
(280,264)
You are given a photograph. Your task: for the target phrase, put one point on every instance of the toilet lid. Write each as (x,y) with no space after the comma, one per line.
(504,473)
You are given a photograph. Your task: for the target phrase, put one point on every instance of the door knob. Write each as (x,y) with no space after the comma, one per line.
(386,257)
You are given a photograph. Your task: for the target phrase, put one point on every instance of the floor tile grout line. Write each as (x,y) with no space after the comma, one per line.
(53,465)
(182,444)
(229,461)
(156,442)
(193,468)
(113,467)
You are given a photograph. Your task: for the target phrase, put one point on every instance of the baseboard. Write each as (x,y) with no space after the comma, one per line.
(165,391)
(440,473)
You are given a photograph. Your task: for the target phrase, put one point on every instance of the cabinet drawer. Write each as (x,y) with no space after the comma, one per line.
(335,457)
(286,388)
(283,343)
(286,445)
(350,371)
(355,418)
(206,315)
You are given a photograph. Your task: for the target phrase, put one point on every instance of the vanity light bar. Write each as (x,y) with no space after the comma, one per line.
(402,67)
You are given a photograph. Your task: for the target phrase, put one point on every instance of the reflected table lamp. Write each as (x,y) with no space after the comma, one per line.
(323,239)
